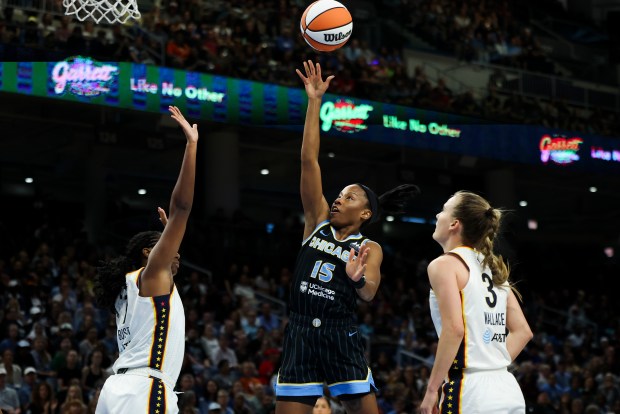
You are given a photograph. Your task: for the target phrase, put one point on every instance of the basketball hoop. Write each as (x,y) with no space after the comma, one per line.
(110,11)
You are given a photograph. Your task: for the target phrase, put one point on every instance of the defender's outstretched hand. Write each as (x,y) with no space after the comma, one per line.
(315,86)
(162,216)
(191,132)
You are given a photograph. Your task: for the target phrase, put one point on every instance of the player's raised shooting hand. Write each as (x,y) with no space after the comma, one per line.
(313,81)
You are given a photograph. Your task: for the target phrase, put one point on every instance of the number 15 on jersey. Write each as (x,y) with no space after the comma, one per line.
(323,270)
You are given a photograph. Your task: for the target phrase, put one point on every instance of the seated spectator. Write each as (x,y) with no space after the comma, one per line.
(73,399)
(322,406)
(12,338)
(23,356)
(249,379)
(225,353)
(43,401)
(210,342)
(42,358)
(93,374)
(14,371)
(267,319)
(224,377)
(9,400)
(29,384)
(250,324)
(70,372)
(210,395)
(188,403)
(223,400)
(177,49)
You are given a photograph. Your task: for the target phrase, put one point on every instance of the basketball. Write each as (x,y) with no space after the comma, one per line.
(326,25)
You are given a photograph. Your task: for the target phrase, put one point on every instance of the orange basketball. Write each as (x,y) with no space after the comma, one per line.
(326,25)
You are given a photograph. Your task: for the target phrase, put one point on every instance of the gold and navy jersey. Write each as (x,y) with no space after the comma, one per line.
(150,330)
(321,287)
(484,316)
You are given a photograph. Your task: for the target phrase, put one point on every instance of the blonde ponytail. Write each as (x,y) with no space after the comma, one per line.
(481,224)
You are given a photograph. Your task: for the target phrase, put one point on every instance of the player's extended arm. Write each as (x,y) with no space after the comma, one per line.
(367,264)
(156,278)
(519,332)
(315,206)
(442,275)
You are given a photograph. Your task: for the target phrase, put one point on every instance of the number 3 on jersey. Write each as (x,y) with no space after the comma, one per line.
(491,301)
(324,270)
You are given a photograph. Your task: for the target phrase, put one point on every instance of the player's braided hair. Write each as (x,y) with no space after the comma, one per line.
(110,277)
(390,202)
(481,224)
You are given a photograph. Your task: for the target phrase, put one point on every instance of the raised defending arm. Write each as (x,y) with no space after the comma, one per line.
(156,278)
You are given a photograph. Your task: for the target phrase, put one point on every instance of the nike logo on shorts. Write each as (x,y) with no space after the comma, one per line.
(352,333)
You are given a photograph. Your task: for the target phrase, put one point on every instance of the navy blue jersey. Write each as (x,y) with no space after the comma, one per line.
(321,287)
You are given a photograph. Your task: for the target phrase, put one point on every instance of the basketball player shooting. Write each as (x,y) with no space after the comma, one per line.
(328,279)
(139,288)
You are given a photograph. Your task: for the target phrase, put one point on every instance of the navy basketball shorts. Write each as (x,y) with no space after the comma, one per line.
(318,351)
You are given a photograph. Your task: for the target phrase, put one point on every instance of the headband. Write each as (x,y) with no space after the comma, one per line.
(373,200)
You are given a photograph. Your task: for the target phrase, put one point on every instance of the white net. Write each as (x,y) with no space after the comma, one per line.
(110,11)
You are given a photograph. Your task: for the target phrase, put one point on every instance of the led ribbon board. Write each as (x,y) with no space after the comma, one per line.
(243,102)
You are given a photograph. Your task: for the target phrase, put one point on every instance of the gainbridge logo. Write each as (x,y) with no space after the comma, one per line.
(559,149)
(344,115)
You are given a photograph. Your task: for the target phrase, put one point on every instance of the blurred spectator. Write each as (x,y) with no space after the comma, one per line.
(225,353)
(13,371)
(69,371)
(9,400)
(93,374)
(12,338)
(267,319)
(224,377)
(43,401)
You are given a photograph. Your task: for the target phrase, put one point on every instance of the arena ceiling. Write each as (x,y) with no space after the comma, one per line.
(65,148)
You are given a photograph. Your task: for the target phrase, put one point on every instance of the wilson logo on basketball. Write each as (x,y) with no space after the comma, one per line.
(336,37)
(559,149)
(82,76)
(326,25)
(344,116)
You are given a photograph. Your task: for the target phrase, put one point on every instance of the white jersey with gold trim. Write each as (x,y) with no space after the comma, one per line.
(150,330)
(484,316)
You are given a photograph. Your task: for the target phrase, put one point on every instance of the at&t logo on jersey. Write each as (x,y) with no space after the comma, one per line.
(489,336)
